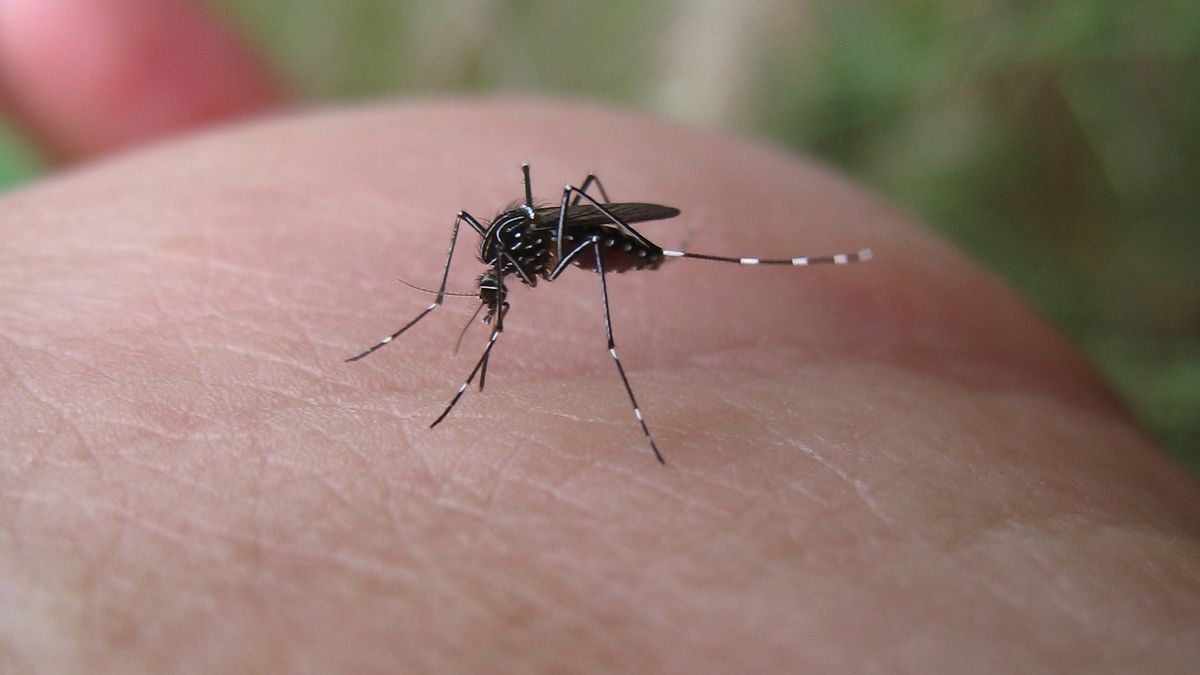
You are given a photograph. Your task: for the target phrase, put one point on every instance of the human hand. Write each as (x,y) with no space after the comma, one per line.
(890,466)
(86,77)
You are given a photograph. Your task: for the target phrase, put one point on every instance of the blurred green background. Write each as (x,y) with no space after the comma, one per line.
(1057,142)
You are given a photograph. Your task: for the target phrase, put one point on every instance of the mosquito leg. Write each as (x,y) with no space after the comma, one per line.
(483,372)
(566,202)
(562,217)
(441,293)
(564,262)
(521,272)
(594,244)
(478,365)
(528,187)
(836,259)
(612,350)
(592,178)
(568,190)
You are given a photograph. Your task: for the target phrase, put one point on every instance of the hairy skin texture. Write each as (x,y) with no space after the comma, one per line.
(892,466)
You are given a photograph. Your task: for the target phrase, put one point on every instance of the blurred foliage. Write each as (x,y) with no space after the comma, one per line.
(16,159)
(1055,141)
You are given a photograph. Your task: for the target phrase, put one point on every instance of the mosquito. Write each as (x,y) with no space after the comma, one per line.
(540,242)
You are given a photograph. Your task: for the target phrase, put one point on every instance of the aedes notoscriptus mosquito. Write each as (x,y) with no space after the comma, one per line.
(540,242)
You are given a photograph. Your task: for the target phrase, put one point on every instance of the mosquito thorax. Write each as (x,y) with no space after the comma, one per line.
(521,248)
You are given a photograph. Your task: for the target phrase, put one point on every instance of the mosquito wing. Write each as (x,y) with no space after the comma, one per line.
(581,215)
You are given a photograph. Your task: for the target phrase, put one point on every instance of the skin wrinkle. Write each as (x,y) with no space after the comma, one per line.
(451,547)
(1057,588)
(106,558)
(71,428)
(844,477)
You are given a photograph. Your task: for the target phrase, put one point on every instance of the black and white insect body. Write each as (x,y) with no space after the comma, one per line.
(533,243)
(512,242)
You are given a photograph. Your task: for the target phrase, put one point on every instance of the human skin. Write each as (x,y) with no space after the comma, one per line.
(87,77)
(890,466)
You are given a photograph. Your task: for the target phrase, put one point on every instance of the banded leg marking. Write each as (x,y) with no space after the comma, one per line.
(441,292)
(835,259)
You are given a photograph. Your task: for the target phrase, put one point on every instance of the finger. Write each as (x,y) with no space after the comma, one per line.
(85,77)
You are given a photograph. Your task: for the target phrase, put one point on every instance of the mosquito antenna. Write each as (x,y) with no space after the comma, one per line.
(426,290)
(463,332)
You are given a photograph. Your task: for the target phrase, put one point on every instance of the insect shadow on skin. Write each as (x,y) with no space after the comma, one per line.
(533,243)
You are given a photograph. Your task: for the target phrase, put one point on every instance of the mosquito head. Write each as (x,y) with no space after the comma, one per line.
(492,293)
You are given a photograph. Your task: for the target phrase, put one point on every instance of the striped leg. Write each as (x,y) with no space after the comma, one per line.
(594,243)
(565,203)
(565,262)
(441,292)
(612,350)
(480,364)
(836,259)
